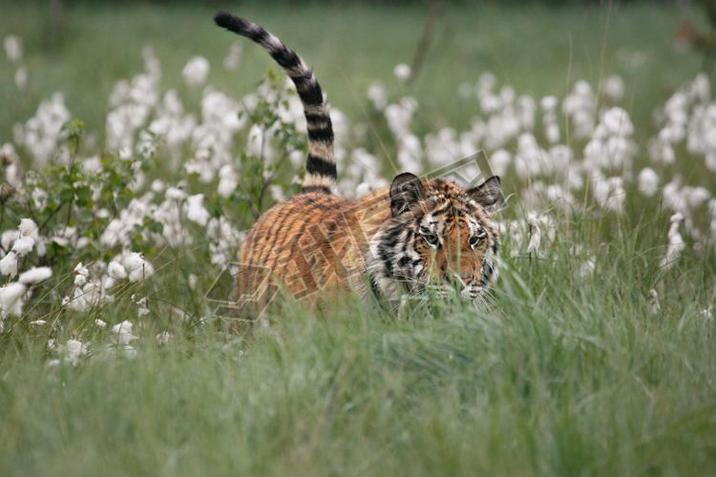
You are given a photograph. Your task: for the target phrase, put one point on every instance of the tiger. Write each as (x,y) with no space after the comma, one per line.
(415,235)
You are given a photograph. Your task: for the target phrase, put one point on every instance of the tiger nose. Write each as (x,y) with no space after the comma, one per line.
(455,280)
(461,281)
(470,292)
(469,287)
(467,279)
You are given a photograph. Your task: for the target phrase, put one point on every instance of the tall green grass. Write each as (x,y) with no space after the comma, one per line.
(558,375)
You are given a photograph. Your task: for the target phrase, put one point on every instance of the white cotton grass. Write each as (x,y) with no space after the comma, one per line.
(648,182)
(587,268)
(580,106)
(233,57)
(550,123)
(71,352)
(687,118)
(196,71)
(378,95)
(137,267)
(13,48)
(123,332)
(28,228)
(500,160)
(11,163)
(123,337)
(676,242)
(142,305)
(11,302)
(613,88)
(41,134)
(611,148)
(23,245)
(116,270)
(228,181)
(402,72)
(12,295)
(94,289)
(81,274)
(9,264)
(195,210)
(21,78)
(535,236)
(224,241)
(131,105)
(35,275)
(653,302)
(20,243)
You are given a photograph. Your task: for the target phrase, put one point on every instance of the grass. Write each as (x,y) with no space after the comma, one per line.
(560,375)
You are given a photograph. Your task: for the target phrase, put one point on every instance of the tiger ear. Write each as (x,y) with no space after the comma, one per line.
(487,194)
(405,191)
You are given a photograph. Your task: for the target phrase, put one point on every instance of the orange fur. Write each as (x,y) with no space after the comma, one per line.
(311,242)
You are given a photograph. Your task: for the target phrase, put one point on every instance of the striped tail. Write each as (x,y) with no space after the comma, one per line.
(321,163)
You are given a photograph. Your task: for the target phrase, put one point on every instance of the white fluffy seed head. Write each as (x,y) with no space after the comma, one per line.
(35,275)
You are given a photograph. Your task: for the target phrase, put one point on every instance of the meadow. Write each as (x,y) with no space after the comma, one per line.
(137,151)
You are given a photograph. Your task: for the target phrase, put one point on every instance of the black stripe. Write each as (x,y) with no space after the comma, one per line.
(316,189)
(385,257)
(303,80)
(442,211)
(404,246)
(257,34)
(321,134)
(320,166)
(312,96)
(285,57)
(487,270)
(230,22)
(404,260)
(391,236)
(241,26)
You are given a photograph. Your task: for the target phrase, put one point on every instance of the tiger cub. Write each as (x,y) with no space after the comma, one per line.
(416,235)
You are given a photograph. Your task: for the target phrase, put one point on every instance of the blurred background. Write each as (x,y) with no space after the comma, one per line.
(539,48)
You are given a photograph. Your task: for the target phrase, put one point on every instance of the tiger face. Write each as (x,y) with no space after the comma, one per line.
(439,237)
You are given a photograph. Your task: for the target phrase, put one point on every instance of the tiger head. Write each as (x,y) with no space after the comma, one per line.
(439,237)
